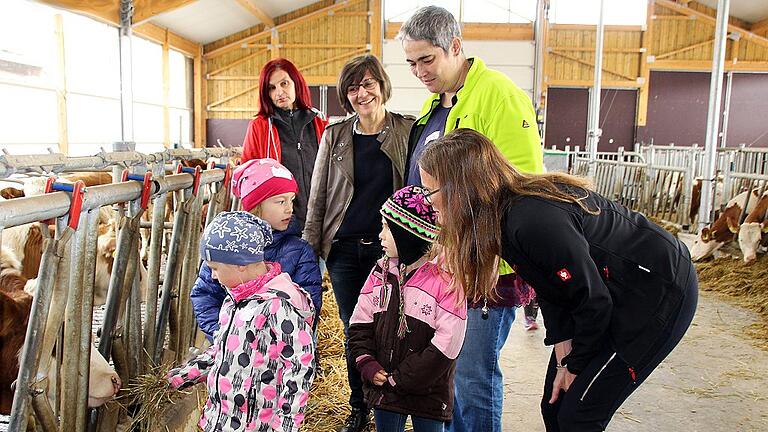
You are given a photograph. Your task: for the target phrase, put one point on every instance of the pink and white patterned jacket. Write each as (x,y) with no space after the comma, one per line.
(261,364)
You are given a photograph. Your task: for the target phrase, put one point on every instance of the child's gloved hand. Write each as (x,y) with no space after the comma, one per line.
(371,370)
(174,381)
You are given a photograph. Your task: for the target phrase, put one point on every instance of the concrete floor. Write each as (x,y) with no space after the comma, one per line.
(715,380)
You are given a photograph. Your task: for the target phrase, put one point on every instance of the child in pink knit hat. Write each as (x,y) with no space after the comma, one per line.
(267,190)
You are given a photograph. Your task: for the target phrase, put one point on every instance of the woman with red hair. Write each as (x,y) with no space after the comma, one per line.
(287,127)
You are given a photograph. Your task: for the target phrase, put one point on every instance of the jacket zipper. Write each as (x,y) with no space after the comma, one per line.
(595,377)
(223,345)
(251,406)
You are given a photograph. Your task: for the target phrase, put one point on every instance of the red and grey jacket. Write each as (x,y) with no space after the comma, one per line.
(262,141)
(421,365)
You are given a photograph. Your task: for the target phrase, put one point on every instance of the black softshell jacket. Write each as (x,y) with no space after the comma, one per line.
(614,277)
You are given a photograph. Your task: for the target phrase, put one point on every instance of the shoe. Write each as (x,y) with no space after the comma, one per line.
(530,324)
(357,421)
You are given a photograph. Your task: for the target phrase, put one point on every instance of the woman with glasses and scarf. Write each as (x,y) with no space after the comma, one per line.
(287,128)
(360,163)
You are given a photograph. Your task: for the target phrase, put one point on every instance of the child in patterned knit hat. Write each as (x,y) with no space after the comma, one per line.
(409,323)
(261,364)
(267,190)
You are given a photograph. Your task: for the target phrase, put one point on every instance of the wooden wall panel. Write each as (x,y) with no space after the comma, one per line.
(571,54)
(678,42)
(319,46)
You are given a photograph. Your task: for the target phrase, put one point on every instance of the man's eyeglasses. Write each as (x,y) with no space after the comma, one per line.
(368,85)
(427,196)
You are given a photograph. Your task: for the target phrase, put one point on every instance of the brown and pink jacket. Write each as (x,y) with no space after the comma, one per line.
(421,364)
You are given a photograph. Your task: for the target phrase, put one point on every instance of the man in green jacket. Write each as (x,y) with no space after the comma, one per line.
(465,93)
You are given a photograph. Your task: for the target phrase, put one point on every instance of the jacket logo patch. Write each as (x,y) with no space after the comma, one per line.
(564,275)
(525,124)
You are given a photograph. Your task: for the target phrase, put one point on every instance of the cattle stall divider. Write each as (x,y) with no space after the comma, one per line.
(65,283)
(658,180)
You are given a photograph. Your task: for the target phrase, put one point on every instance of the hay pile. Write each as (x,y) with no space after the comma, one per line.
(328,404)
(746,285)
(672,228)
(149,399)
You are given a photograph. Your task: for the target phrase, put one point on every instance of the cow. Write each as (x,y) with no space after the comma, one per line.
(723,230)
(751,232)
(26,242)
(16,305)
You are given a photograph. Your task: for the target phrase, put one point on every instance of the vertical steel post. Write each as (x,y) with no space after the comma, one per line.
(727,109)
(153,270)
(713,114)
(53,251)
(91,244)
(70,411)
(126,71)
(594,132)
(175,254)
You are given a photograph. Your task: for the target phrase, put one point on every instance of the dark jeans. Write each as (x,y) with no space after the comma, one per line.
(349,263)
(388,421)
(600,389)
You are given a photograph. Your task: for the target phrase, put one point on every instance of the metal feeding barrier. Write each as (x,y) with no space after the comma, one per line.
(664,181)
(68,215)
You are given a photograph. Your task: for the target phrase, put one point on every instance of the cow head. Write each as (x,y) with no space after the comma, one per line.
(749,239)
(750,235)
(705,244)
(104,383)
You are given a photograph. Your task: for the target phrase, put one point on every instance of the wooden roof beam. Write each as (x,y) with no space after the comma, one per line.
(759,26)
(257,12)
(103,10)
(746,34)
(144,10)
(281,27)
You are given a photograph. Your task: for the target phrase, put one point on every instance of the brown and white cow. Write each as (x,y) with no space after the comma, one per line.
(754,228)
(26,242)
(15,308)
(723,230)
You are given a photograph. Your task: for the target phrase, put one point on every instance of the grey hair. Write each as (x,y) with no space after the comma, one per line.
(433,24)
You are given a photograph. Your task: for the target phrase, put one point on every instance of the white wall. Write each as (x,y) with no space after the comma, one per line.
(514,58)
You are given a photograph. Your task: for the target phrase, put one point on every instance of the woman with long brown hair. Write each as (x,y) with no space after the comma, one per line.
(617,292)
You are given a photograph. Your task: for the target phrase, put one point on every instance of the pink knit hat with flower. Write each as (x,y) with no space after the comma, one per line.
(259,179)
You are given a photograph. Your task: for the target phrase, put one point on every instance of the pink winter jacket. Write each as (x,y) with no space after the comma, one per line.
(261,364)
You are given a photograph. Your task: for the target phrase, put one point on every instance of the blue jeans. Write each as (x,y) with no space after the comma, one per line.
(349,263)
(479,384)
(388,421)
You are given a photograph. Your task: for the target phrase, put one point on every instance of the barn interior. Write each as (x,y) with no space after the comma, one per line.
(661,103)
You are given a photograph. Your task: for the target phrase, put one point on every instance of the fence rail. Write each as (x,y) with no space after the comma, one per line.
(662,181)
(65,283)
